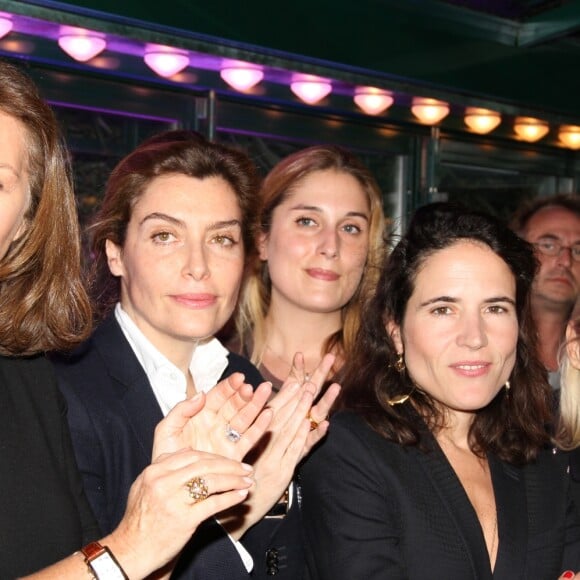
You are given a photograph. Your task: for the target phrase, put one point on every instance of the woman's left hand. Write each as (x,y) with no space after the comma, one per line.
(318,413)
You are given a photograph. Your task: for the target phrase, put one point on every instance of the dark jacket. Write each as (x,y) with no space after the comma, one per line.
(373,509)
(112,412)
(44,513)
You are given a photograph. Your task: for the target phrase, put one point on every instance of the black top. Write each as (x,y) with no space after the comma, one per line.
(43,512)
(575,476)
(235,345)
(376,510)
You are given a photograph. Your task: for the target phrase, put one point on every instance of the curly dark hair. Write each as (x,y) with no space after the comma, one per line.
(513,427)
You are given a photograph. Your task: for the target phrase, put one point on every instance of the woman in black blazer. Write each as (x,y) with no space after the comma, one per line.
(440,465)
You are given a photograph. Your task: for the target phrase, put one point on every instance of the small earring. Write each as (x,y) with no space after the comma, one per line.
(507,386)
(400,363)
(399,399)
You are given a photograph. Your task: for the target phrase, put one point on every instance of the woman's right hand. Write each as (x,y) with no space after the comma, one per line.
(161,515)
(290,436)
(202,422)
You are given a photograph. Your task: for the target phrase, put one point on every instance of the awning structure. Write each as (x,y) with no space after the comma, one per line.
(517,58)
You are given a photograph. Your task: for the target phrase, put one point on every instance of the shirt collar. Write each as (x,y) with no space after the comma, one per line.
(168,383)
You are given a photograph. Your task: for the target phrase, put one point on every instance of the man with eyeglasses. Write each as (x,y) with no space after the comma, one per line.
(552,225)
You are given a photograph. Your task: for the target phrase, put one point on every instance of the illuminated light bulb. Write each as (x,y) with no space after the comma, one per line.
(5,25)
(310,88)
(570,136)
(373,101)
(429,111)
(530,129)
(81,44)
(241,76)
(481,121)
(166,61)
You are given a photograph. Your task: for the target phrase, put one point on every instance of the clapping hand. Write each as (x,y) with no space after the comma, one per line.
(296,426)
(318,413)
(231,421)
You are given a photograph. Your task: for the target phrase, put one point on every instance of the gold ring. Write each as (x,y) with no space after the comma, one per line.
(197,489)
(313,424)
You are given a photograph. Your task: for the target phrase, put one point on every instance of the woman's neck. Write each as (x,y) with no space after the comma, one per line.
(299,330)
(178,352)
(456,430)
(291,330)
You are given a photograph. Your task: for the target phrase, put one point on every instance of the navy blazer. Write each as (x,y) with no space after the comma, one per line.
(112,413)
(376,510)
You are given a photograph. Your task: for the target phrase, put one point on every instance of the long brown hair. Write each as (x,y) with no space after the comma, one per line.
(277,186)
(43,304)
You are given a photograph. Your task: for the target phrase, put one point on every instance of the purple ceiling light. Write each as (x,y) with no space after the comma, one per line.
(81,44)
(310,88)
(165,60)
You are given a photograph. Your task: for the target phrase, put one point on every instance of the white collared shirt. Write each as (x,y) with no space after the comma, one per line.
(169,384)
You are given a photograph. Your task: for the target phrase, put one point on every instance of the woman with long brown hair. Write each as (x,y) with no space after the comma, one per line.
(319,241)
(43,306)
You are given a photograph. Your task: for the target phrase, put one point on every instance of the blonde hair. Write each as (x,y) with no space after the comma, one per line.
(277,186)
(43,303)
(568,431)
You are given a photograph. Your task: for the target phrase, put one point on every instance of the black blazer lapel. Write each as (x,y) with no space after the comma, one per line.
(438,469)
(512,512)
(129,379)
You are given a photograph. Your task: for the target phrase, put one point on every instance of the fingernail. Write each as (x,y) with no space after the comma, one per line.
(247,467)
(568,574)
(248,480)
(243,492)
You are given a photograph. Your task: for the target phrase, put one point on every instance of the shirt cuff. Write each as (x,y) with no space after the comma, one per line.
(245,556)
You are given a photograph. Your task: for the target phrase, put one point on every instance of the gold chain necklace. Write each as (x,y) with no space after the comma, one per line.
(292,369)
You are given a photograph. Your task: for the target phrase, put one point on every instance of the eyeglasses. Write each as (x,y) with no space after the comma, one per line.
(554,248)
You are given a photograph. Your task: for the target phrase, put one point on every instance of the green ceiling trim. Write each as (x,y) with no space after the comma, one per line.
(554,23)
(425,47)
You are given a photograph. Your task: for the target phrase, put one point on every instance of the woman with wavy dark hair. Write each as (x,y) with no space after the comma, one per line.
(439,465)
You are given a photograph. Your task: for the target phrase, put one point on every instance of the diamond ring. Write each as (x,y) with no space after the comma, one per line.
(232,435)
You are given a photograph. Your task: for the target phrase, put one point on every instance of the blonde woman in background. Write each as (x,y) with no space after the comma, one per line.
(568,432)
(320,236)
